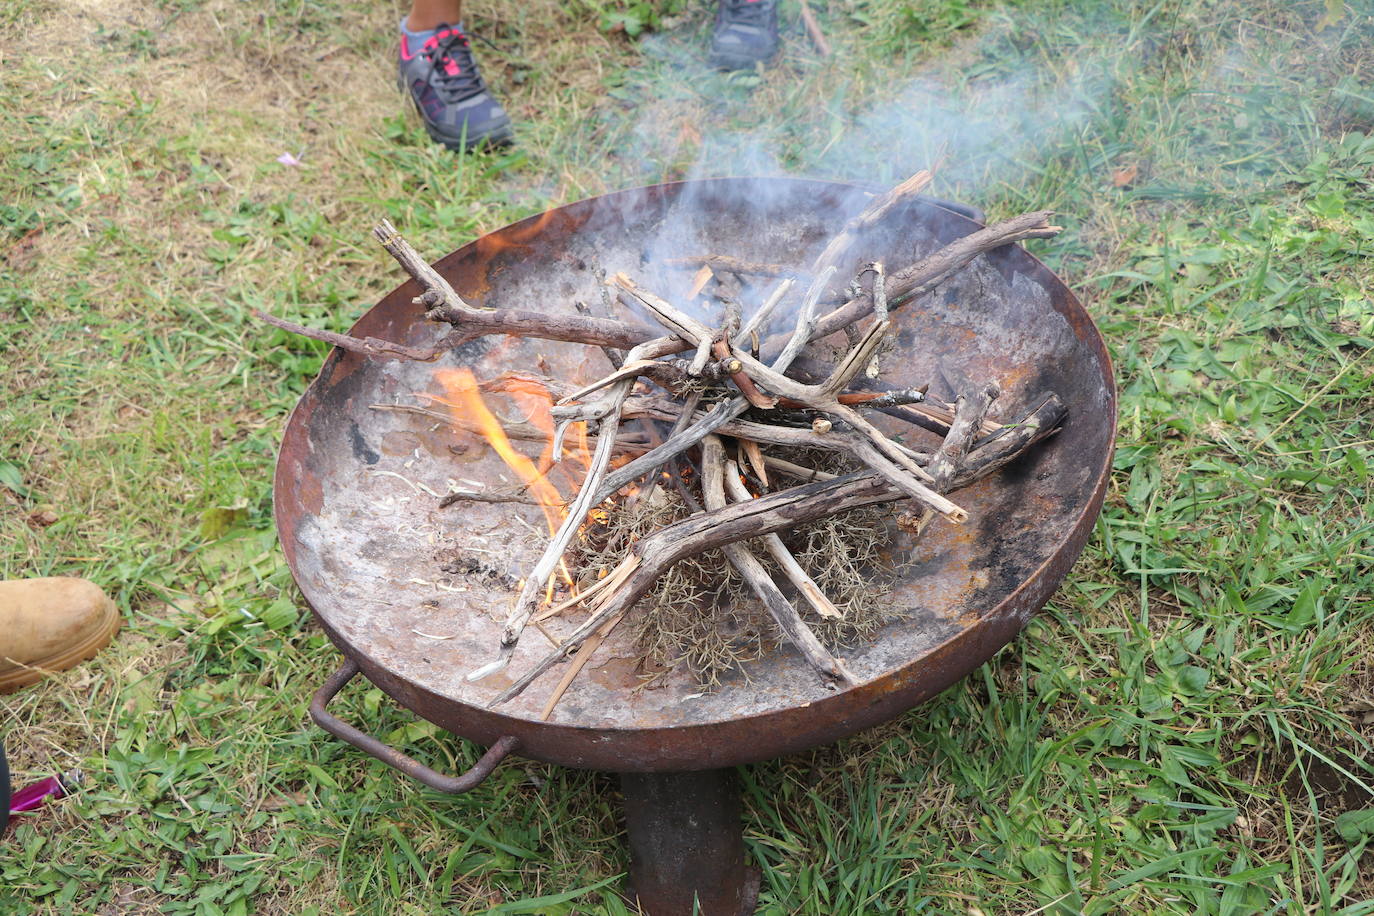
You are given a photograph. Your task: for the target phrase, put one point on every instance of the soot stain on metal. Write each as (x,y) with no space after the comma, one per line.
(361,450)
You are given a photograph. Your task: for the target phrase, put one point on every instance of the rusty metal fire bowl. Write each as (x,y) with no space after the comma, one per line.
(373,553)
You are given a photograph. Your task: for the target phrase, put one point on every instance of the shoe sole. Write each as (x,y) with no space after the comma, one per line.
(85,650)
(731,64)
(498,137)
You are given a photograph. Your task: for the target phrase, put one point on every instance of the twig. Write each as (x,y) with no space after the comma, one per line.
(933,414)
(813,29)
(703,276)
(573,600)
(607,332)
(727,264)
(714,419)
(804,584)
(367,346)
(613,356)
(806,321)
(1011,442)
(688,409)
(932,270)
(746,386)
(876,211)
(878,292)
(444,304)
(754,454)
(522,431)
(796,470)
(653,555)
(695,333)
(584,655)
(713,468)
(819,398)
(628,370)
(722,413)
(893,474)
(611,582)
(969,410)
(577,513)
(756,321)
(477,496)
(419,268)
(672,318)
(856,359)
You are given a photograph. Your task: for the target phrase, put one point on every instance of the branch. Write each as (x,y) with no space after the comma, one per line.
(368,346)
(876,211)
(577,513)
(925,274)
(804,584)
(608,332)
(969,411)
(713,468)
(806,321)
(818,398)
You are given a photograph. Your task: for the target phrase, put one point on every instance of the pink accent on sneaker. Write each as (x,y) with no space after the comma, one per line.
(405,50)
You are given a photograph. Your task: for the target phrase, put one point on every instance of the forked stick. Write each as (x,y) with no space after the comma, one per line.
(713,470)
(804,584)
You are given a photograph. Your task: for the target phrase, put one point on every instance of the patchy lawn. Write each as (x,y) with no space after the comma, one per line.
(1186,728)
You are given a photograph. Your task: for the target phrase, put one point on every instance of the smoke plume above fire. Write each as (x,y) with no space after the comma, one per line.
(993,107)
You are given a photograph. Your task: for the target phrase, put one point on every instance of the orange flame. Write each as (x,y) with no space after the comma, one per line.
(466,399)
(535,401)
(517,236)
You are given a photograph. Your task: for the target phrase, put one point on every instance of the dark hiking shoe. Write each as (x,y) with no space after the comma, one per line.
(746,33)
(452,97)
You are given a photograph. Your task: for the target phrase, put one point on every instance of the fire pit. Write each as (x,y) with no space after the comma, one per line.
(357,511)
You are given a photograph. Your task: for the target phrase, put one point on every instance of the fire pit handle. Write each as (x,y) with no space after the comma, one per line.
(413,768)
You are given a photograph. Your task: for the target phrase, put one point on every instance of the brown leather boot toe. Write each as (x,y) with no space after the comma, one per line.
(50,625)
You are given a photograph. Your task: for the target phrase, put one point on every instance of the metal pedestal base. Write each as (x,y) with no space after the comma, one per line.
(686,844)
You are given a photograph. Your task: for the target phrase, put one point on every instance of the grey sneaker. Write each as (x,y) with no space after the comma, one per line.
(450,93)
(746,33)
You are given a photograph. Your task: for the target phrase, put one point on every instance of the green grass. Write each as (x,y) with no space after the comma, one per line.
(1181,731)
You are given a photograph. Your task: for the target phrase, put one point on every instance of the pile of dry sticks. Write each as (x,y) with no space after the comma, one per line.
(739,404)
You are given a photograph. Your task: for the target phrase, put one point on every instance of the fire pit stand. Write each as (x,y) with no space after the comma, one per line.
(685,843)
(367,542)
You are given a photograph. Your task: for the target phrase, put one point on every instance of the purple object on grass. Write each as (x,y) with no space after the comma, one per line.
(32,796)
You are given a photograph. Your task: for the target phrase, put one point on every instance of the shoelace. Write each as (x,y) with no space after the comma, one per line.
(455,72)
(746,12)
